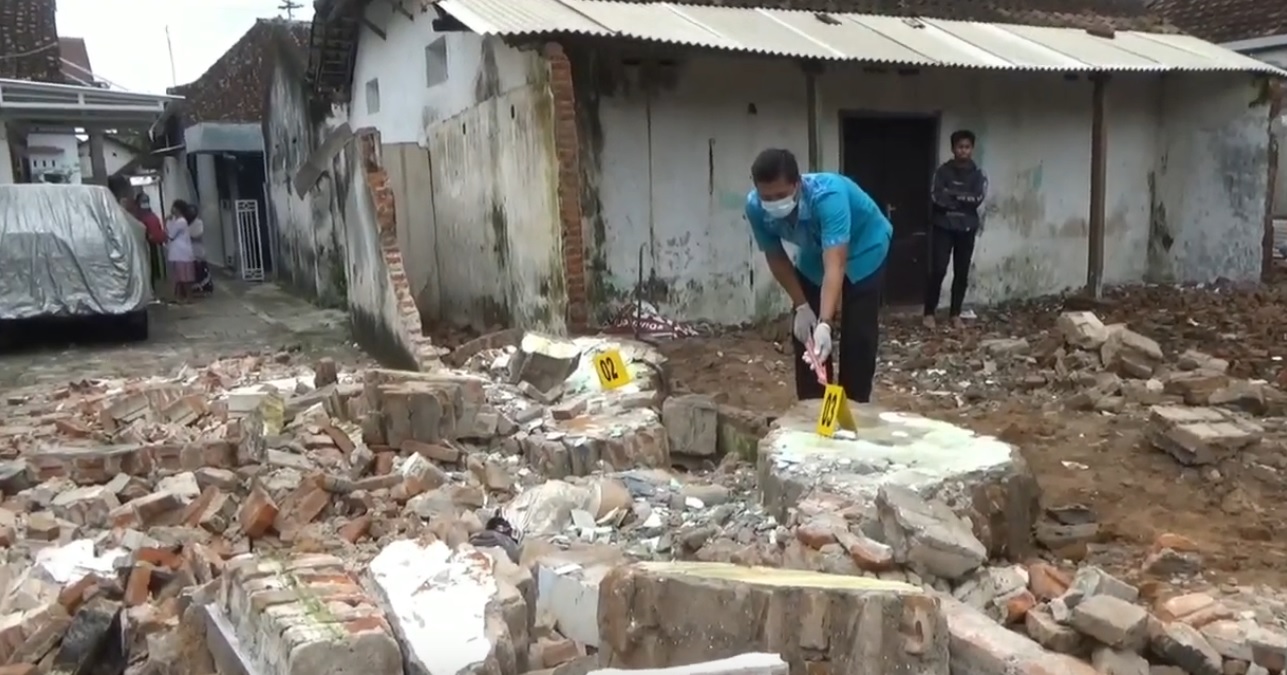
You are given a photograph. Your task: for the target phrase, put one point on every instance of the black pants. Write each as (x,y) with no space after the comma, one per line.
(958,246)
(156,260)
(855,345)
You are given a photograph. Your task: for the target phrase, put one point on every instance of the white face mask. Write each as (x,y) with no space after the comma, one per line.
(780,208)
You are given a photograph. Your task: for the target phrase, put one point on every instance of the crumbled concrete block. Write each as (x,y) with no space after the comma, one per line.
(714,609)
(544,361)
(1130,354)
(981,645)
(91,505)
(950,462)
(1042,627)
(1109,661)
(602,440)
(1112,621)
(1197,436)
(1082,330)
(927,535)
(692,423)
(1091,581)
(1182,645)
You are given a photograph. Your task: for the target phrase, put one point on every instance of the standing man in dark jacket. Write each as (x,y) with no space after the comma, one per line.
(958,191)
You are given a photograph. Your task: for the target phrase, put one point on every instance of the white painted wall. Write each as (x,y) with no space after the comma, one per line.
(407,105)
(1212,179)
(115,156)
(176,181)
(1278,57)
(6,158)
(490,251)
(207,198)
(671,174)
(62,159)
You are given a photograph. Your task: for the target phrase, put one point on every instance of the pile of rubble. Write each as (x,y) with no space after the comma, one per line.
(507,514)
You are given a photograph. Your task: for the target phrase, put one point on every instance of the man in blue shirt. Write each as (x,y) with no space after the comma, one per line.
(843,239)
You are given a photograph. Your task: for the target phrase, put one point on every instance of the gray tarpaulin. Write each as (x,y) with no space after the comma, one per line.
(69,250)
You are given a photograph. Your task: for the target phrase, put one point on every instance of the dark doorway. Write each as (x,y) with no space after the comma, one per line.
(893,158)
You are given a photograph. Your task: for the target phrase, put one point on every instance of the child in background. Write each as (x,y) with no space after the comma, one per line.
(178,252)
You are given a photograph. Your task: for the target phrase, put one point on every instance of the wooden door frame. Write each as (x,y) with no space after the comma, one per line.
(936,117)
(847,114)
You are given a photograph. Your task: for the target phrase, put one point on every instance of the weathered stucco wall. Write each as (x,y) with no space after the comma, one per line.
(467,132)
(373,301)
(1208,211)
(310,239)
(6,157)
(667,155)
(1278,57)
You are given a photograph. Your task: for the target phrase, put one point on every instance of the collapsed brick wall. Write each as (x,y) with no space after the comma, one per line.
(567,149)
(423,353)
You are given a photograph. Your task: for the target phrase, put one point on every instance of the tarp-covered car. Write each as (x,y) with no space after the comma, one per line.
(72,251)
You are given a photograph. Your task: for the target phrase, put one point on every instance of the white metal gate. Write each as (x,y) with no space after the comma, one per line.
(249,242)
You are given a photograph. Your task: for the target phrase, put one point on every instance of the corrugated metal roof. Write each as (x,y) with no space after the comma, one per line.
(854,37)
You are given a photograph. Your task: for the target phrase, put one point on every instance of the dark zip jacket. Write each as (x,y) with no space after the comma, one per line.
(958,190)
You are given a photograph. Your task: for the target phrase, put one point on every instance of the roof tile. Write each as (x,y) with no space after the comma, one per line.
(29,41)
(232,90)
(1226,20)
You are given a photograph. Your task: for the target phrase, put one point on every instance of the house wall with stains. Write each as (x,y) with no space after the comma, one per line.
(668,140)
(1210,180)
(310,226)
(466,123)
(6,157)
(1277,56)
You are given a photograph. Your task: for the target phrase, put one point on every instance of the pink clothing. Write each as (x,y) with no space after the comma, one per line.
(183,272)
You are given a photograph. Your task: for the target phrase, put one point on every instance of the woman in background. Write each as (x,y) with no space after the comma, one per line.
(155,237)
(178,251)
(197,230)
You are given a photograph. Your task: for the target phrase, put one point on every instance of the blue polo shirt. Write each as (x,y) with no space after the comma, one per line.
(832,211)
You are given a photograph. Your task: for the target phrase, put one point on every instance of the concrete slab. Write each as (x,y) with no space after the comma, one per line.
(655,615)
(983,479)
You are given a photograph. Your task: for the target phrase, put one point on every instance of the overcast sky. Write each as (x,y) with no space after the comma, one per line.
(127,46)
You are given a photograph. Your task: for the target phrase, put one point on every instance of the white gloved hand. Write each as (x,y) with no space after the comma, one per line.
(803,322)
(822,342)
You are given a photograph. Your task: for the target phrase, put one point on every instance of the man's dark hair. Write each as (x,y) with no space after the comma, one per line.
(962,135)
(773,164)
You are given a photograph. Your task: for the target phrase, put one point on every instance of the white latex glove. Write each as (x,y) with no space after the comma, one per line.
(803,323)
(822,342)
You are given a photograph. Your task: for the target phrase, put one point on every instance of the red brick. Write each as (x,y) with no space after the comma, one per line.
(137,587)
(355,529)
(159,557)
(76,592)
(301,507)
(257,514)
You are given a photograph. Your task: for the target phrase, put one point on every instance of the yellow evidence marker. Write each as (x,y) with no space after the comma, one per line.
(835,412)
(611,369)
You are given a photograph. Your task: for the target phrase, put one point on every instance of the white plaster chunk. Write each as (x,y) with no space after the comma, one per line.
(436,601)
(569,592)
(742,664)
(68,564)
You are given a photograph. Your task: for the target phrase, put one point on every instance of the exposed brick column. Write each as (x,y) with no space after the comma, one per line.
(569,189)
(386,216)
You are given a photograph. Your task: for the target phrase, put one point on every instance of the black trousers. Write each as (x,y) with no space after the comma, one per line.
(855,346)
(945,245)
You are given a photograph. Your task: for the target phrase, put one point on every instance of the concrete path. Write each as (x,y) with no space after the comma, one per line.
(238,318)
